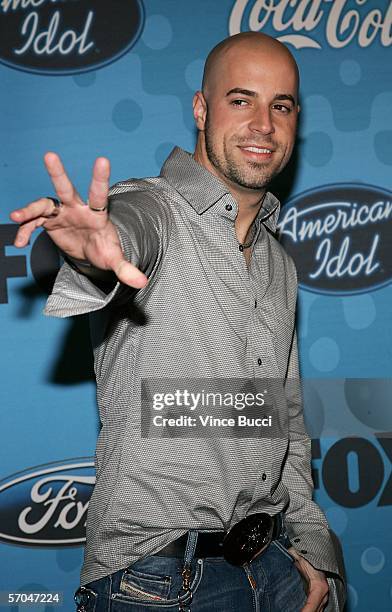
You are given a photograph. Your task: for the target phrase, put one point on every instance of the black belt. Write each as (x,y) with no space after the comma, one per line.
(241,544)
(209,544)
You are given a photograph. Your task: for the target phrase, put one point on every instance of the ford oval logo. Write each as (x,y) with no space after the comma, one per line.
(67,36)
(340,237)
(47,505)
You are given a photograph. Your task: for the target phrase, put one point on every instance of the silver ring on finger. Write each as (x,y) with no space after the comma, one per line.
(57,205)
(100,209)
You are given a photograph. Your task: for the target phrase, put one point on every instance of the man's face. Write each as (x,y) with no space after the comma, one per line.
(251,116)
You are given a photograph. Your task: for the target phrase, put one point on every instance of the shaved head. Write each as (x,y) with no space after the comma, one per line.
(244,42)
(246,112)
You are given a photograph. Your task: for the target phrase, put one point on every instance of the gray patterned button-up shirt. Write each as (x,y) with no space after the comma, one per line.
(204,313)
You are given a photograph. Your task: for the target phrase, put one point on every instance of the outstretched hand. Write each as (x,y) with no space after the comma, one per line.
(75,227)
(317,585)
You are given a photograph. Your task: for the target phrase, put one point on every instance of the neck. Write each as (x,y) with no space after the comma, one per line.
(248,200)
(245,217)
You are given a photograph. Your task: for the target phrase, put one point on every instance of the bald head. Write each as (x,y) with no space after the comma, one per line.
(238,48)
(246,113)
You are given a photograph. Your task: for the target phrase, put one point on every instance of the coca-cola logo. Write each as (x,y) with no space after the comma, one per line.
(67,36)
(340,237)
(300,22)
(47,505)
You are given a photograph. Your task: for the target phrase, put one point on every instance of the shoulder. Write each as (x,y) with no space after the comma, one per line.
(144,198)
(134,191)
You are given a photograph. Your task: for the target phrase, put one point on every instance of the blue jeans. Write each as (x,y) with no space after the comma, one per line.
(270,583)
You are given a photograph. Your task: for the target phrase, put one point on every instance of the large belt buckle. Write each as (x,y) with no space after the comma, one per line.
(248,538)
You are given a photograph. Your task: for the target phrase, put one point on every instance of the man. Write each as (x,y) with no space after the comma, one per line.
(183,277)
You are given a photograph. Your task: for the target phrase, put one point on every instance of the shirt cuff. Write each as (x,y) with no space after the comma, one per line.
(316,545)
(75,294)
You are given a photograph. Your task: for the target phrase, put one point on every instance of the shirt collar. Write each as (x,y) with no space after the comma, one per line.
(202,189)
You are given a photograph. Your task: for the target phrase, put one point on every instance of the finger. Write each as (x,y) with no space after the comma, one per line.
(63,186)
(24,232)
(315,601)
(322,605)
(40,208)
(128,274)
(99,187)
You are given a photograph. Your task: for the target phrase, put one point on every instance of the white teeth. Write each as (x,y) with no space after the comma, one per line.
(257,150)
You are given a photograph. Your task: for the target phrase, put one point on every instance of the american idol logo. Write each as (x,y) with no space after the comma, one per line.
(340,237)
(47,505)
(67,36)
(300,22)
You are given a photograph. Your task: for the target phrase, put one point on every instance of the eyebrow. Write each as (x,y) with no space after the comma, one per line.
(244,92)
(285,97)
(253,94)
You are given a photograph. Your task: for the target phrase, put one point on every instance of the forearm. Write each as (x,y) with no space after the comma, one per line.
(306,524)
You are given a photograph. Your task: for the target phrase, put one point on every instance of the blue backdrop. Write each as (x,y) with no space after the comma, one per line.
(87,79)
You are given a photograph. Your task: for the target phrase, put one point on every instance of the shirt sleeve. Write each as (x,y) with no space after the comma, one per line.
(143,225)
(306,524)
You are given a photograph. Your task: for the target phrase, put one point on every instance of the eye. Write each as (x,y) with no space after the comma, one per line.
(239,102)
(282,108)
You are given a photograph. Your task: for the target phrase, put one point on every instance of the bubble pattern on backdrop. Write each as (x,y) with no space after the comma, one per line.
(338,518)
(372,560)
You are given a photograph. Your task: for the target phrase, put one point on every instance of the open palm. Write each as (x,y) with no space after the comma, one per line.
(81,232)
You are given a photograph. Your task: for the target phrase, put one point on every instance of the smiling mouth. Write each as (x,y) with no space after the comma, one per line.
(257,150)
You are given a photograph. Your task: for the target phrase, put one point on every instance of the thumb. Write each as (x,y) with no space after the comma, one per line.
(129,274)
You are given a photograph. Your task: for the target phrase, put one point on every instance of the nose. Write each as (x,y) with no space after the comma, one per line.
(262,121)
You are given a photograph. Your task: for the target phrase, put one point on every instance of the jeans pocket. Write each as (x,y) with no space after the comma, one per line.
(151,587)
(145,586)
(283,550)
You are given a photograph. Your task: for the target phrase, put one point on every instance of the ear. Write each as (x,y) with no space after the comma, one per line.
(199,110)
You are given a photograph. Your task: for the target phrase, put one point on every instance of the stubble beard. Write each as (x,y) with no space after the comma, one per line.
(252,175)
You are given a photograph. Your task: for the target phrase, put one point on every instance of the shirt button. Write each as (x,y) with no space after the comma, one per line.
(304,552)
(255,303)
(228,207)
(259,361)
(264,476)
(297,540)
(241,248)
